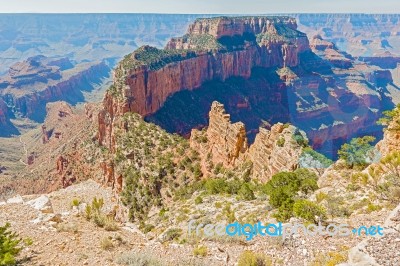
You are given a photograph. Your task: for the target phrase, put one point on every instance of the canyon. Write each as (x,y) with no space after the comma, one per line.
(31,84)
(247,96)
(263,70)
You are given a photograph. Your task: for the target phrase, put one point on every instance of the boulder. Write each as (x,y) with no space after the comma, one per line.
(42,204)
(15,200)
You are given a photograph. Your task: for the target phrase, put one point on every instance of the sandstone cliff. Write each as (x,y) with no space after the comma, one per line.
(262,69)
(216,49)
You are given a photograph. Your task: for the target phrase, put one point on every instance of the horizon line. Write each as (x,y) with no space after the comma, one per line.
(160,13)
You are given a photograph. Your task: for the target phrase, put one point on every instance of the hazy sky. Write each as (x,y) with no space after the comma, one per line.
(199,6)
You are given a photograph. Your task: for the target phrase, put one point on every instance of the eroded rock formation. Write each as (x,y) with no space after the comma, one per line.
(145,78)
(274,151)
(262,69)
(225,143)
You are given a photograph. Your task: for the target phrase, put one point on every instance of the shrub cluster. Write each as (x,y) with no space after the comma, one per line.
(285,191)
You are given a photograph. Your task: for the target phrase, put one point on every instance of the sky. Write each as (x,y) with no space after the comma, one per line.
(200,6)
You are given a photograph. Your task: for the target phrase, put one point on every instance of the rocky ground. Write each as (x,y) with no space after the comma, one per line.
(61,235)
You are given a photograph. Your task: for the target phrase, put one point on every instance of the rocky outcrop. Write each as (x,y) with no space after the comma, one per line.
(29,103)
(225,143)
(145,78)
(275,150)
(329,51)
(45,134)
(391,139)
(34,69)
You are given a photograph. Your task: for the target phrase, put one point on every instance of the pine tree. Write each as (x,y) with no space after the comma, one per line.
(9,246)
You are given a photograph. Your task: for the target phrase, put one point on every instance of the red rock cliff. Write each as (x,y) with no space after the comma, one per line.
(219,48)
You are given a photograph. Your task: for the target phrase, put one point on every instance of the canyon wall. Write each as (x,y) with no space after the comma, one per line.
(143,85)
(27,105)
(31,84)
(263,70)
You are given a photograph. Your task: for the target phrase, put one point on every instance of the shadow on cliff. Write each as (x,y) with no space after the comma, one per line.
(259,100)
(8,130)
(75,93)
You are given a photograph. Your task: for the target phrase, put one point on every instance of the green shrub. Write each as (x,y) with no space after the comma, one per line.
(250,258)
(280,142)
(313,159)
(145,228)
(359,152)
(106,243)
(75,202)
(300,138)
(215,186)
(138,259)
(201,251)
(9,246)
(94,213)
(110,224)
(332,258)
(336,207)
(391,118)
(321,196)
(218,204)
(371,208)
(308,211)
(245,192)
(198,200)
(284,187)
(172,234)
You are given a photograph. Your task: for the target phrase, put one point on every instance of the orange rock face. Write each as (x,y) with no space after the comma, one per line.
(227,141)
(144,90)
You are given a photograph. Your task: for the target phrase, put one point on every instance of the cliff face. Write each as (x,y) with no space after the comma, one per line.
(391,138)
(145,87)
(216,49)
(225,143)
(263,70)
(39,80)
(225,26)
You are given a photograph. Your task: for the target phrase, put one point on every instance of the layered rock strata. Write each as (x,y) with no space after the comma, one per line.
(31,84)
(225,143)
(215,49)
